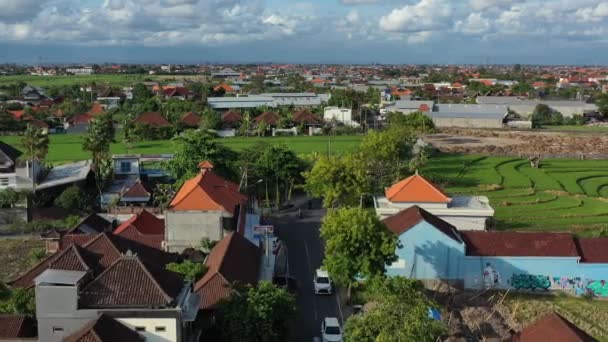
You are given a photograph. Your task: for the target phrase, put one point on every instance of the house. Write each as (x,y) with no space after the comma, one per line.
(110,275)
(91,224)
(341,115)
(269,118)
(464,212)
(104,329)
(469,115)
(435,251)
(175,92)
(17,328)
(305,117)
(552,327)
(231,118)
(145,228)
(227,89)
(152,119)
(32,93)
(233,260)
(206,206)
(190,119)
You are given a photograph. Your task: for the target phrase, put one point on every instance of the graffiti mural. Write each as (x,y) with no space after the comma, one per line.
(491,277)
(530,282)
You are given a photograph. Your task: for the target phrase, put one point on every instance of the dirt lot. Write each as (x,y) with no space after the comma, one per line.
(15,255)
(519,143)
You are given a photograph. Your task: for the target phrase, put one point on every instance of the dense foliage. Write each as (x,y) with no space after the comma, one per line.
(192,271)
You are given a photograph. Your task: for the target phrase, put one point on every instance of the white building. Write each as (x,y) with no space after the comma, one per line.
(464,212)
(343,115)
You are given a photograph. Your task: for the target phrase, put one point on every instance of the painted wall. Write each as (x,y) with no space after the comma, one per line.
(133,168)
(152,326)
(467,122)
(427,253)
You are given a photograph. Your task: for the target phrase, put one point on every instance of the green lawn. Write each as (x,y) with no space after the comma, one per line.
(68,147)
(563,194)
(47,81)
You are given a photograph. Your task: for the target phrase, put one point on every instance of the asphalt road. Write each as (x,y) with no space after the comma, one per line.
(305,255)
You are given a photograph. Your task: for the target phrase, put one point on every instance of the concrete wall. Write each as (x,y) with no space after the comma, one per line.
(468,123)
(134,166)
(151,325)
(186,228)
(466,222)
(427,253)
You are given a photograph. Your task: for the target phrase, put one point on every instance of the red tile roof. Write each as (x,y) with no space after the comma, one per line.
(270,118)
(593,250)
(227,88)
(208,191)
(17,326)
(153,119)
(138,190)
(191,119)
(17,114)
(145,223)
(95,110)
(416,189)
(482,243)
(232,117)
(104,329)
(305,116)
(554,328)
(80,119)
(410,217)
(128,283)
(233,259)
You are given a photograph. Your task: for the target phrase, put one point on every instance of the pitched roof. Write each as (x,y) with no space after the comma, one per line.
(138,190)
(482,243)
(410,217)
(96,109)
(152,119)
(90,225)
(554,328)
(191,119)
(208,191)
(270,118)
(17,326)
(232,116)
(416,189)
(145,223)
(128,283)
(104,329)
(8,154)
(593,250)
(227,88)
(233,259)
(305,116)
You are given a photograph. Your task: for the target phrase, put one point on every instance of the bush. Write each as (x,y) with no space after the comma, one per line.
(73,198)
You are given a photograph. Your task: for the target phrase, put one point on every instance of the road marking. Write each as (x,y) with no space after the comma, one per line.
(339,307)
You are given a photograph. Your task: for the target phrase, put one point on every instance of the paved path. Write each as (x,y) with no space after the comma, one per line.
(305,255)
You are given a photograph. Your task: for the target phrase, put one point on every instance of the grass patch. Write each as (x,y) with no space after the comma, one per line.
(66,80)
(15,255)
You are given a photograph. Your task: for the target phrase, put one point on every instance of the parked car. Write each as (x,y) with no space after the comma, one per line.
(322,282)
(330,330)
(288,283)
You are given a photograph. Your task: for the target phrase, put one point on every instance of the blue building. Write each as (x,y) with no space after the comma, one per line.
(431,249)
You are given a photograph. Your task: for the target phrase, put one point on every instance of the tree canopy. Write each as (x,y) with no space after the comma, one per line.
(192,271)
(257,313)
(35,143)
(357,244)
(399,311)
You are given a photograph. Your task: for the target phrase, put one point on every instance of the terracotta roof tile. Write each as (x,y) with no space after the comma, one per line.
(416,189)
(208,191)
(104,329)
(17,326)
(481,243)
(128,283)
(554,328)
(69,259)
(269,118)
(145,223)
(232,117)
(305,116)
(410,217)
(152,119)
(191,119)
(233,259)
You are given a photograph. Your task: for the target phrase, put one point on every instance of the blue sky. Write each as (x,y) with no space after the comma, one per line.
(307,31)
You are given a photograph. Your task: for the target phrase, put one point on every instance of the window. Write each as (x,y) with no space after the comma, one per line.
(140,329)
(125,167)
(160,329)
(4,181)
(57,330)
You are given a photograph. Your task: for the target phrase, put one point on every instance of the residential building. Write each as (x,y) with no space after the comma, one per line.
(341,115)
(206,206)
(434,251)
(191,119)
(271,119)
(111,275)
(152,119)
(32,93)
(464,212)
(17,328)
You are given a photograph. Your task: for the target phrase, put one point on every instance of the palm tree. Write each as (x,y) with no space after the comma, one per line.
(36,145)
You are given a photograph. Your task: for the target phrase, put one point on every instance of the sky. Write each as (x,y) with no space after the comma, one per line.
(308,31)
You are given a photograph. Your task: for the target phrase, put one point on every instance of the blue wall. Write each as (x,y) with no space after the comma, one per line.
(427,253)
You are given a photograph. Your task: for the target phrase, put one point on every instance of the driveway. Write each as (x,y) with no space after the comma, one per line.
(305,255)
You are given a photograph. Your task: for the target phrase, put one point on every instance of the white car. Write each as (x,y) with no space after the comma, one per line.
(322,282)
(330,330)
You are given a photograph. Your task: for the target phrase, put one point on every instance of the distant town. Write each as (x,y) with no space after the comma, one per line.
(291,202)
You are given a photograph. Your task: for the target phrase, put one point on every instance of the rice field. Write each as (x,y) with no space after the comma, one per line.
(561,195)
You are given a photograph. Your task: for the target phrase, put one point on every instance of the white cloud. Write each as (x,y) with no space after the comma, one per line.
(15,10)
(475,23)
(426,15)
(359,2)
(479,5)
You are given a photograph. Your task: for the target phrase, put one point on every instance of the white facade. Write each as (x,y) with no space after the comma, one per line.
(153,329)
(343,115)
